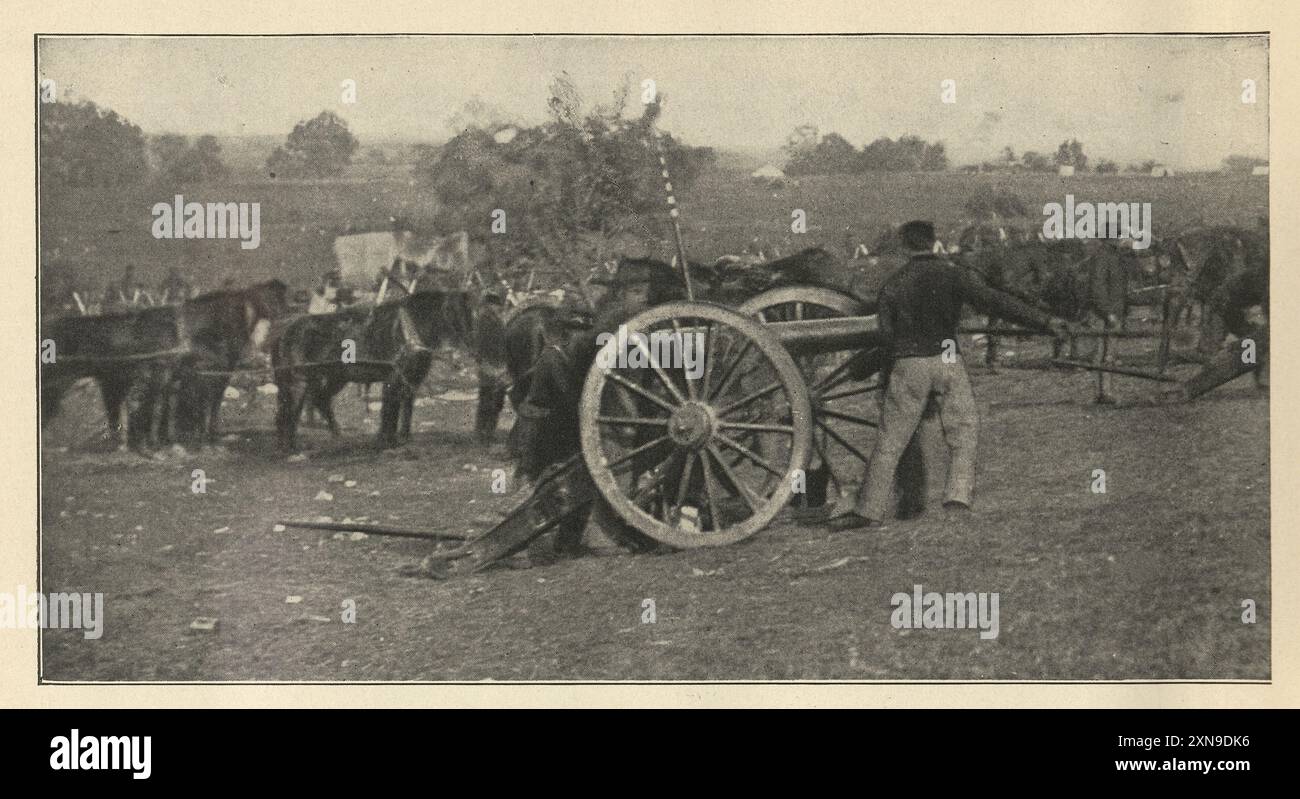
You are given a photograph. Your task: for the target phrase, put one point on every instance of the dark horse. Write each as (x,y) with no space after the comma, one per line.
(221,326)
(130,352)
(317,355)
(139,356)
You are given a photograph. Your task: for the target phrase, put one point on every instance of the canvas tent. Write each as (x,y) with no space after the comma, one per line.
(767,174)
(362,256)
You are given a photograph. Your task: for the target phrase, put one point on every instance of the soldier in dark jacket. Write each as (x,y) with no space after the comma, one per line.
(1247,351)
(919,309)
(490,353)
(552,401)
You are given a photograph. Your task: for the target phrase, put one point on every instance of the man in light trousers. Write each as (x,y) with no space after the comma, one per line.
(919,309)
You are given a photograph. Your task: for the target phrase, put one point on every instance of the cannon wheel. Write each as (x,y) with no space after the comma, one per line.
(835,386)
(703,460)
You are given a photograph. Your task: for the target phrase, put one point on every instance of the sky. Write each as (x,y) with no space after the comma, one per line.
(1177,100)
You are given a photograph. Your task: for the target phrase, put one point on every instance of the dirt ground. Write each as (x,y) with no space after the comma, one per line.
(1145,581)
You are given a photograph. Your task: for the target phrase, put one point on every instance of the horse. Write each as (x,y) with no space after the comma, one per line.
(130,354)
(317,355)
(152,356)
(221,325)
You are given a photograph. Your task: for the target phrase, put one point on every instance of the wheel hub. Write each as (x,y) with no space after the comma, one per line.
(691,425)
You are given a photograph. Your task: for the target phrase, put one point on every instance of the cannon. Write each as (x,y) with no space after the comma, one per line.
(708,459)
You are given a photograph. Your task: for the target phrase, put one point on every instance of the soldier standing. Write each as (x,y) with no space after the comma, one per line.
(919,310)
(490,353)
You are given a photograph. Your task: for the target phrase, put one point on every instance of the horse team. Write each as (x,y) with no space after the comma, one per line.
(171,364)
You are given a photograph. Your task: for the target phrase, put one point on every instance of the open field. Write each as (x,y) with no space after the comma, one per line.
(97,231)
(1144,581)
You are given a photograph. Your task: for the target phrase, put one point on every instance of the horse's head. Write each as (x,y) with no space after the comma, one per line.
(441,317)
(268,300)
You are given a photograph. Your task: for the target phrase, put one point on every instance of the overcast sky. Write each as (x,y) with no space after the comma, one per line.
(1173,99)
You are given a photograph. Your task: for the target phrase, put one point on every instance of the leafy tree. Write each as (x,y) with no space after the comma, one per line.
(177,162)
(1035,162)
(1070,153)
(85,145)
(1242,164)
(320,147)
(584,175)
(832,155)
(1107,167)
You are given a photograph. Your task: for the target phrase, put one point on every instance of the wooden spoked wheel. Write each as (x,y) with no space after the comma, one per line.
(694,421)
(841,385)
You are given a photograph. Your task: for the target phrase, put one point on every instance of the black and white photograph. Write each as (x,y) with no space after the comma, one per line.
(595,358)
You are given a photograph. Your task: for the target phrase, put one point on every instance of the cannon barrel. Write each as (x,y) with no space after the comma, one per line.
(811,336)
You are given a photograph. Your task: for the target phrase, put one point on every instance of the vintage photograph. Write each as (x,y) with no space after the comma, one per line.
(596,358)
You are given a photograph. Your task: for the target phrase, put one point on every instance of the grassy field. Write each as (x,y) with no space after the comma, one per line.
(1145,581)
(98,231)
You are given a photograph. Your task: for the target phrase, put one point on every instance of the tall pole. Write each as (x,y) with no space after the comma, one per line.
(674,215)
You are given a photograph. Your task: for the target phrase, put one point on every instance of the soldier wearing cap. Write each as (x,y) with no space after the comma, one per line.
(490,353)
(552,401)
(919,309)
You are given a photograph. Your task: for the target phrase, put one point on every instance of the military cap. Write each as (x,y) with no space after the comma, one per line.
(917,235)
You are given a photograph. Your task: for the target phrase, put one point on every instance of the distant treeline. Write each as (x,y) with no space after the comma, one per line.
(808,153)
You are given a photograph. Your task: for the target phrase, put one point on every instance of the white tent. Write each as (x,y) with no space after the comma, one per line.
(1260,170)
(361,256)
(1065,170)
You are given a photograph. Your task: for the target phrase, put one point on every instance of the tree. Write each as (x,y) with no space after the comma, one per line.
(832,155)
(1035,162)
(317,148)
(1070,153)
(177,162)
(1107,167)
(84,145)
(584,175)
(1242,164)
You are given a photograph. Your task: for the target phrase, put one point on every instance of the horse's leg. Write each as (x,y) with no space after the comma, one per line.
(408,410)
(214,395)
(112,390)
(142,397)
(388,415)
(52,392)
(491,399)
(289,398)
(1104,357)
(323,401)
(1169,311)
